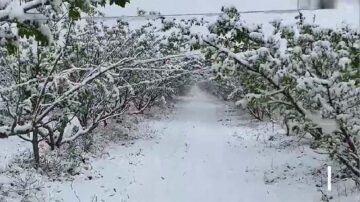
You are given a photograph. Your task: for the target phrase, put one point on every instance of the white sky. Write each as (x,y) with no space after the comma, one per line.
(347,11)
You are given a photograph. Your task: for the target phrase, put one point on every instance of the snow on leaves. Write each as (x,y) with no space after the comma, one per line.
(59,93)
(31,17)
(306,74)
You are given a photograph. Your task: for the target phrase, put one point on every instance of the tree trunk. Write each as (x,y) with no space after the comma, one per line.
(52,142)
(286,122)
(61,134)
(35,144)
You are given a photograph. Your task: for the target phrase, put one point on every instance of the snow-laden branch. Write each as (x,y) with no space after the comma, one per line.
(230,53)
(93,76)
(17,10)
(310,77)
(15,86)
(296,104)
(6,131)
(18,129)
(103,117)
(349,165)
(76,88)
(100,118)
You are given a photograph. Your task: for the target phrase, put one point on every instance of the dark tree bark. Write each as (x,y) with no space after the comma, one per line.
(35,144)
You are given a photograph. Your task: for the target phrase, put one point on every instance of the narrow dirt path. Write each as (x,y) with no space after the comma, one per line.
(199,155)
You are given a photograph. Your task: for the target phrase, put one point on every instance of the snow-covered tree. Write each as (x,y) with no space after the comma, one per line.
(31,17)
(59,93)
(306,74)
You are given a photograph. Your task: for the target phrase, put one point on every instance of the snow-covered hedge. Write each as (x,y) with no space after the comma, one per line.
(305,74)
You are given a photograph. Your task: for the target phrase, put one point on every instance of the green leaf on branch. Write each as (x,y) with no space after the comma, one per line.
(11,48)
(25,30)
(74,13)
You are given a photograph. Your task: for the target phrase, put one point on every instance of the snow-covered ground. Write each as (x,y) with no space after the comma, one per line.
(11,147)
(206,152)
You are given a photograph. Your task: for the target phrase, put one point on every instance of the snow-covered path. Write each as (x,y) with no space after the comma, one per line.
(198,155)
